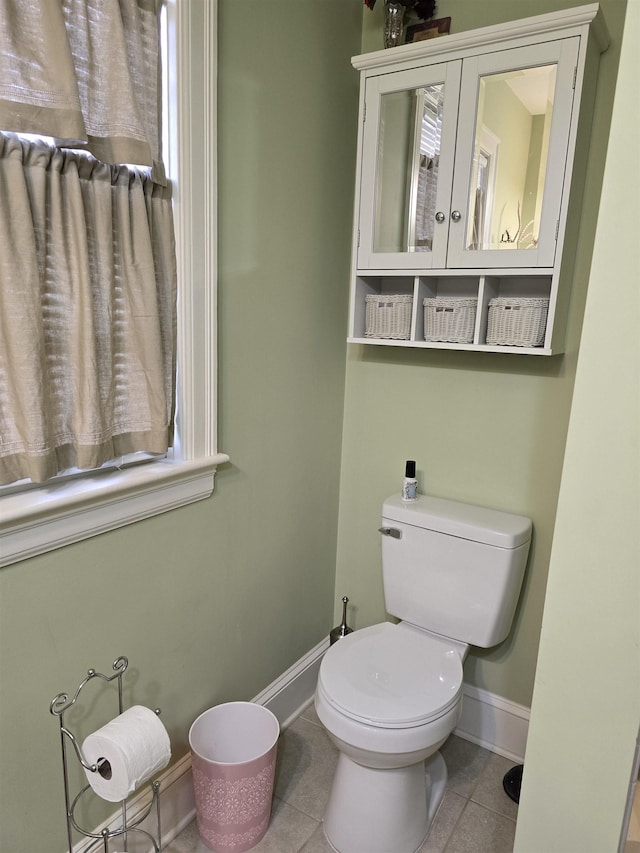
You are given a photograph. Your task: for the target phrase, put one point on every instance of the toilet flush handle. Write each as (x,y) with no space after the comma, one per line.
(391,531)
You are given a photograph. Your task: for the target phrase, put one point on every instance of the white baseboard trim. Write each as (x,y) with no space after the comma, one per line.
(494,723)
(288,695)
(487,720)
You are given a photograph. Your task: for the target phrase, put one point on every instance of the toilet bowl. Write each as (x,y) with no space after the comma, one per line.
(391,694)
(388,696)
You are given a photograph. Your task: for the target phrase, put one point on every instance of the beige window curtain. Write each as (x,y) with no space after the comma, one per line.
(87,279)
(85,72)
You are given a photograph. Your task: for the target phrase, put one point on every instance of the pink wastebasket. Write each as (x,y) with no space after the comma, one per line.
(233,758)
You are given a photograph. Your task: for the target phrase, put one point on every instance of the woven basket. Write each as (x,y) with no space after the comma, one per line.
(517,322)
(452,320)
(388,316)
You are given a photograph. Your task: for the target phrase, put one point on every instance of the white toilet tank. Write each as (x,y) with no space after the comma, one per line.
(453,568)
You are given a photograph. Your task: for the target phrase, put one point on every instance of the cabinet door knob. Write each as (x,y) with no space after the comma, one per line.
(456,215)
(440,217)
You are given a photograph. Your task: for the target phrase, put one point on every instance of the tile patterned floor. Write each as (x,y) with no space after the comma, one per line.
(476,816)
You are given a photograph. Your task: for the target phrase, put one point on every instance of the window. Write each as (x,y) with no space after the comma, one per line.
(61,513)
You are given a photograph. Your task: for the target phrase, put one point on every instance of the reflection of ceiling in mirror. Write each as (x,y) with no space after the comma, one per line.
(534,87)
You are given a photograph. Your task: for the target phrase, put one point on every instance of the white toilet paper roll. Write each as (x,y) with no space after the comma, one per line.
(135,745)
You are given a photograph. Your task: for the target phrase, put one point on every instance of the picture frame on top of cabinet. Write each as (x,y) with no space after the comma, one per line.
(428,30)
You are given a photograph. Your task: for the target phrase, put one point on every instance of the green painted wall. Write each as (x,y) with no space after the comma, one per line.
(484,428)
(213,601)
(586,703)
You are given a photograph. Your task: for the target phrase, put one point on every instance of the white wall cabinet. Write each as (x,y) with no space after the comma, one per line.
(467,171)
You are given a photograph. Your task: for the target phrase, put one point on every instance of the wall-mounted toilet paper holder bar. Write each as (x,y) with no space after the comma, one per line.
(61,704)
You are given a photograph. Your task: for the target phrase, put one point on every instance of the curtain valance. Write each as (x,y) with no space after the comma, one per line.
(85,72)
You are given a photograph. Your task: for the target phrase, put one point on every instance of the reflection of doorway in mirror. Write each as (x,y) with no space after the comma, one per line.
(515,108)
(485,164)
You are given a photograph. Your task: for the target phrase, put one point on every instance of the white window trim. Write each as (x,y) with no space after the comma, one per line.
(39,520)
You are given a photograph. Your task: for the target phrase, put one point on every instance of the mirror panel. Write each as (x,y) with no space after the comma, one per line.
(409,144)
(510,158)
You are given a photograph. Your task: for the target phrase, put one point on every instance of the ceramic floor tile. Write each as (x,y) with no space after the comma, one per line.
(444,823)
(490,792)
(465,763)
(288,830)
(317,843)
(305,767)
(309,714)
(475,816)
(482,831)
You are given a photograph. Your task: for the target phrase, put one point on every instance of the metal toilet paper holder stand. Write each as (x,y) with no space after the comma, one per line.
(59,705)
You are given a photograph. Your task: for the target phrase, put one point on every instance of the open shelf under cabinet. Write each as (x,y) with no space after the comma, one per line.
(483,286)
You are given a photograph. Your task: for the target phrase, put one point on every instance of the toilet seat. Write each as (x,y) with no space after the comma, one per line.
(391,676)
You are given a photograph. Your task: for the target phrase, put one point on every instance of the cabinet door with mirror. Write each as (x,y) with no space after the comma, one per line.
(463,162)
(513,133)
(408,157)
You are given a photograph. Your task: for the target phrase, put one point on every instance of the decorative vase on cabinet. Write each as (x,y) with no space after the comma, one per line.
(465,162)
(393,24)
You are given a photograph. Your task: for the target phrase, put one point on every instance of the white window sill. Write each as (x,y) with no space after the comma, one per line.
(44,519)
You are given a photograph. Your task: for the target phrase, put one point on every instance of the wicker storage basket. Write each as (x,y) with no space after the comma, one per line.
(388,316)
(517,322)
(450,319)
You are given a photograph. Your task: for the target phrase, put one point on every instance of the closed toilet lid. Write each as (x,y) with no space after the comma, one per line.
(391,676)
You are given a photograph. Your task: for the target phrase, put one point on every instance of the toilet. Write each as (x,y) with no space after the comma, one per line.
(390,695)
